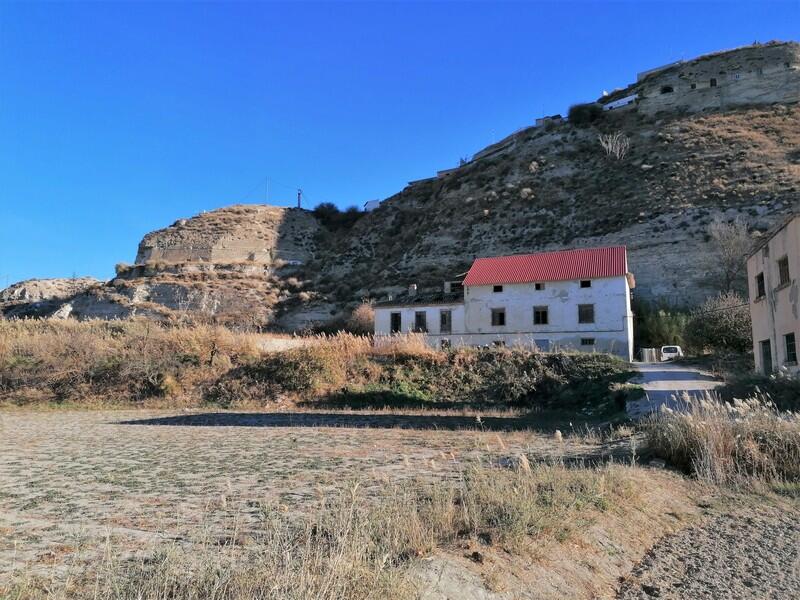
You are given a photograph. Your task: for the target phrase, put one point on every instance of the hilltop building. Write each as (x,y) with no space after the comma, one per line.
(757,74)
(772,272)
(570,299)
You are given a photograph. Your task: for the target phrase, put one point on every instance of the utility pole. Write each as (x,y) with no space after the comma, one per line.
(299,197)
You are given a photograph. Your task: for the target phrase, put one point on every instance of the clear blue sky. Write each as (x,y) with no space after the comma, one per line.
(116,119)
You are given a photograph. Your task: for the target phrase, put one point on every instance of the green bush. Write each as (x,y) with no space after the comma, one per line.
(721,324)
(483,377)
(658,326)
(585,114)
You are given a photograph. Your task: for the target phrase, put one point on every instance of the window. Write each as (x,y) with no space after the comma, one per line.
(586,283)
(761,289)
(538,287)
(420,321)
(397,322)
(498,317)
(445,345)
(667,89)
(542,345)
(585,313)
(791,349)
(540,315)
(497,288)
(783,270)
(712,83)
(445,321)
(694,86)
(587,341)
(498,344)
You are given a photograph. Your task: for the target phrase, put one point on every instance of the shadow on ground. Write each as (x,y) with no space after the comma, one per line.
(317,419)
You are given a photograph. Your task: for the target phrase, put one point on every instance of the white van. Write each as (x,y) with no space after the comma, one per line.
(671,352)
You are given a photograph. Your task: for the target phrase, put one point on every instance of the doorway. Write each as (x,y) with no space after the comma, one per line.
(766,357)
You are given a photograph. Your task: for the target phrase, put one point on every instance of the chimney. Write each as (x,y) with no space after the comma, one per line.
(412,289)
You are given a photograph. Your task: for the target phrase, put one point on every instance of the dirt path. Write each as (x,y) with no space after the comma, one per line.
(750,555)
(665,383)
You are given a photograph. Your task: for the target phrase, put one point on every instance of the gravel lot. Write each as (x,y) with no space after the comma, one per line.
(754,555)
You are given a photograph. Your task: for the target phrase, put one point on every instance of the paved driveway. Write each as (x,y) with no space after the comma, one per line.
(666,383)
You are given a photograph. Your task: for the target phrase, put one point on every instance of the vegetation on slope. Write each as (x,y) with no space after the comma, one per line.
(143,362)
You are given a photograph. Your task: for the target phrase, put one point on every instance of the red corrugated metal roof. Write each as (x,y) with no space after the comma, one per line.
(585,263)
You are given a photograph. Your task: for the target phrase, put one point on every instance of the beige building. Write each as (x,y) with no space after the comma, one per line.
(773,270)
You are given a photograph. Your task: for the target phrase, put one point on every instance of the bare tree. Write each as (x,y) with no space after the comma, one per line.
(616,144)
(731,243)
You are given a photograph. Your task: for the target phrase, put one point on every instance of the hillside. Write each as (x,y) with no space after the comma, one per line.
(718,136)
(554,187)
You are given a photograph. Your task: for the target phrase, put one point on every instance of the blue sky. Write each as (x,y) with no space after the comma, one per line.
(119,118)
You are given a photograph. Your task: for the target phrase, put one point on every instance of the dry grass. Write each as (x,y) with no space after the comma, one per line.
(356,547)
(745,443)
(102,362)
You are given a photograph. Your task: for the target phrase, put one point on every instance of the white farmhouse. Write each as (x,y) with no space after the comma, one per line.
(570,299)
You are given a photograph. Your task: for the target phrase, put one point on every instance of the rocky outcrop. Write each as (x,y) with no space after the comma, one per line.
(38,290)
(241,233)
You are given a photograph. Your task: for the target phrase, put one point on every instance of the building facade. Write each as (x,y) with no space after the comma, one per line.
(573,299)
(772,273)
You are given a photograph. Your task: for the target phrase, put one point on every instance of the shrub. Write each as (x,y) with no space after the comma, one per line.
(782,390)
(334,219)
(721,324)
(616,145)
(362,320)
(585,114)
(658,326)
(742,443)
(112,361)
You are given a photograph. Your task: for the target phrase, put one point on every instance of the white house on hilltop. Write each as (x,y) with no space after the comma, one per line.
(570,299)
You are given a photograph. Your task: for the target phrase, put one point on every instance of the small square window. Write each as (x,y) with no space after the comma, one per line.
(587,341)
(783,270)
(498,344)
(497,288)
(538,287)
(712,83)
(586,283)
(694,86)
(791,349)
(445,344)
(585,313)
(498,317)
(540,315)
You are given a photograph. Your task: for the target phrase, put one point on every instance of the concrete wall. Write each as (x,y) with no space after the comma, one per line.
(752,75)
(612,330)
(778,311)
(383,318)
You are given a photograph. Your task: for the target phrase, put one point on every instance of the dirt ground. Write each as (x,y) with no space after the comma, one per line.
(76,485)
(71,482)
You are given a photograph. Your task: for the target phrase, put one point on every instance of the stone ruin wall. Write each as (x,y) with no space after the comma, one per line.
(753,75)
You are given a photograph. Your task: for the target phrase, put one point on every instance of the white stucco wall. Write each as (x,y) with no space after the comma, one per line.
(383,318)
(778,312)
(612,329)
